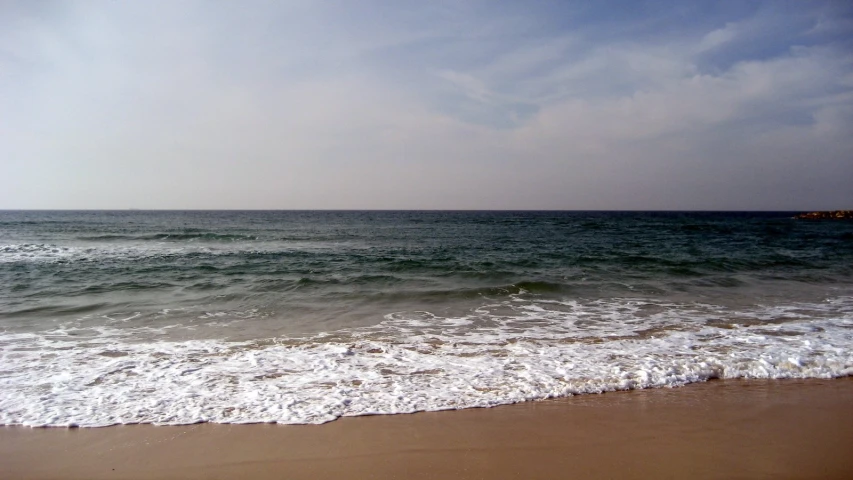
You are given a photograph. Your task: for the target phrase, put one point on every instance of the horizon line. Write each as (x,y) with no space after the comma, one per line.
(404,210)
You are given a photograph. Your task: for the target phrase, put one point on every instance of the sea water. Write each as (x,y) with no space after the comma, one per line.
(117,317)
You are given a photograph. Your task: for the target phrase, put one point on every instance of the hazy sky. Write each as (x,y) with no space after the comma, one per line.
(426,104)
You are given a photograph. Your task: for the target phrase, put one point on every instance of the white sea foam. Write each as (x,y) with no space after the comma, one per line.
(46,253)
(504,352)
(49,253)
(33,252)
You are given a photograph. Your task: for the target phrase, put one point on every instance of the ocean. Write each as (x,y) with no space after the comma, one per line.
(179,317)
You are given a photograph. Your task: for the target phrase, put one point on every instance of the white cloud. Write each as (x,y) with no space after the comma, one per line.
(718,37)
(470,86)
(144,113)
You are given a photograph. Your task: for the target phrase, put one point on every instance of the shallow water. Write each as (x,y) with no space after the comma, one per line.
(302,317)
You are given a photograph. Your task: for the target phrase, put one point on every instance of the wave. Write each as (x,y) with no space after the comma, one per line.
(174,237)
(502,352)
(389,261)
(34,251)
(51,253)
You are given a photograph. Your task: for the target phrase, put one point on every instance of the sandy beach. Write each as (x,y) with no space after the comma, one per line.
(718,429)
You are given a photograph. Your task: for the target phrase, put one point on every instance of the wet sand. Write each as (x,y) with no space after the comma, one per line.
(720,429)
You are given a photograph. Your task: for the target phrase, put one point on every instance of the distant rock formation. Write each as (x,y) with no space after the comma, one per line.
(833,215)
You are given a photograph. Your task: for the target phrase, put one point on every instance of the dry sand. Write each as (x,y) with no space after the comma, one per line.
(719,429)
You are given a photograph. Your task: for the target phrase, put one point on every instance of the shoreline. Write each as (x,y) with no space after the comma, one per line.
(717,429)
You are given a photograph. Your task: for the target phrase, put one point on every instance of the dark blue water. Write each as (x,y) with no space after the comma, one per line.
(99,282)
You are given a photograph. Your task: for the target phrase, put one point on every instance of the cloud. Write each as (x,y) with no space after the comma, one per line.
(305,105)
(718,37)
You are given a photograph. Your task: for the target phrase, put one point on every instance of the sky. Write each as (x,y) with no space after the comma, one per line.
(343,104)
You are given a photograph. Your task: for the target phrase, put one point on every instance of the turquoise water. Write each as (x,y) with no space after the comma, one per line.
(302,317)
